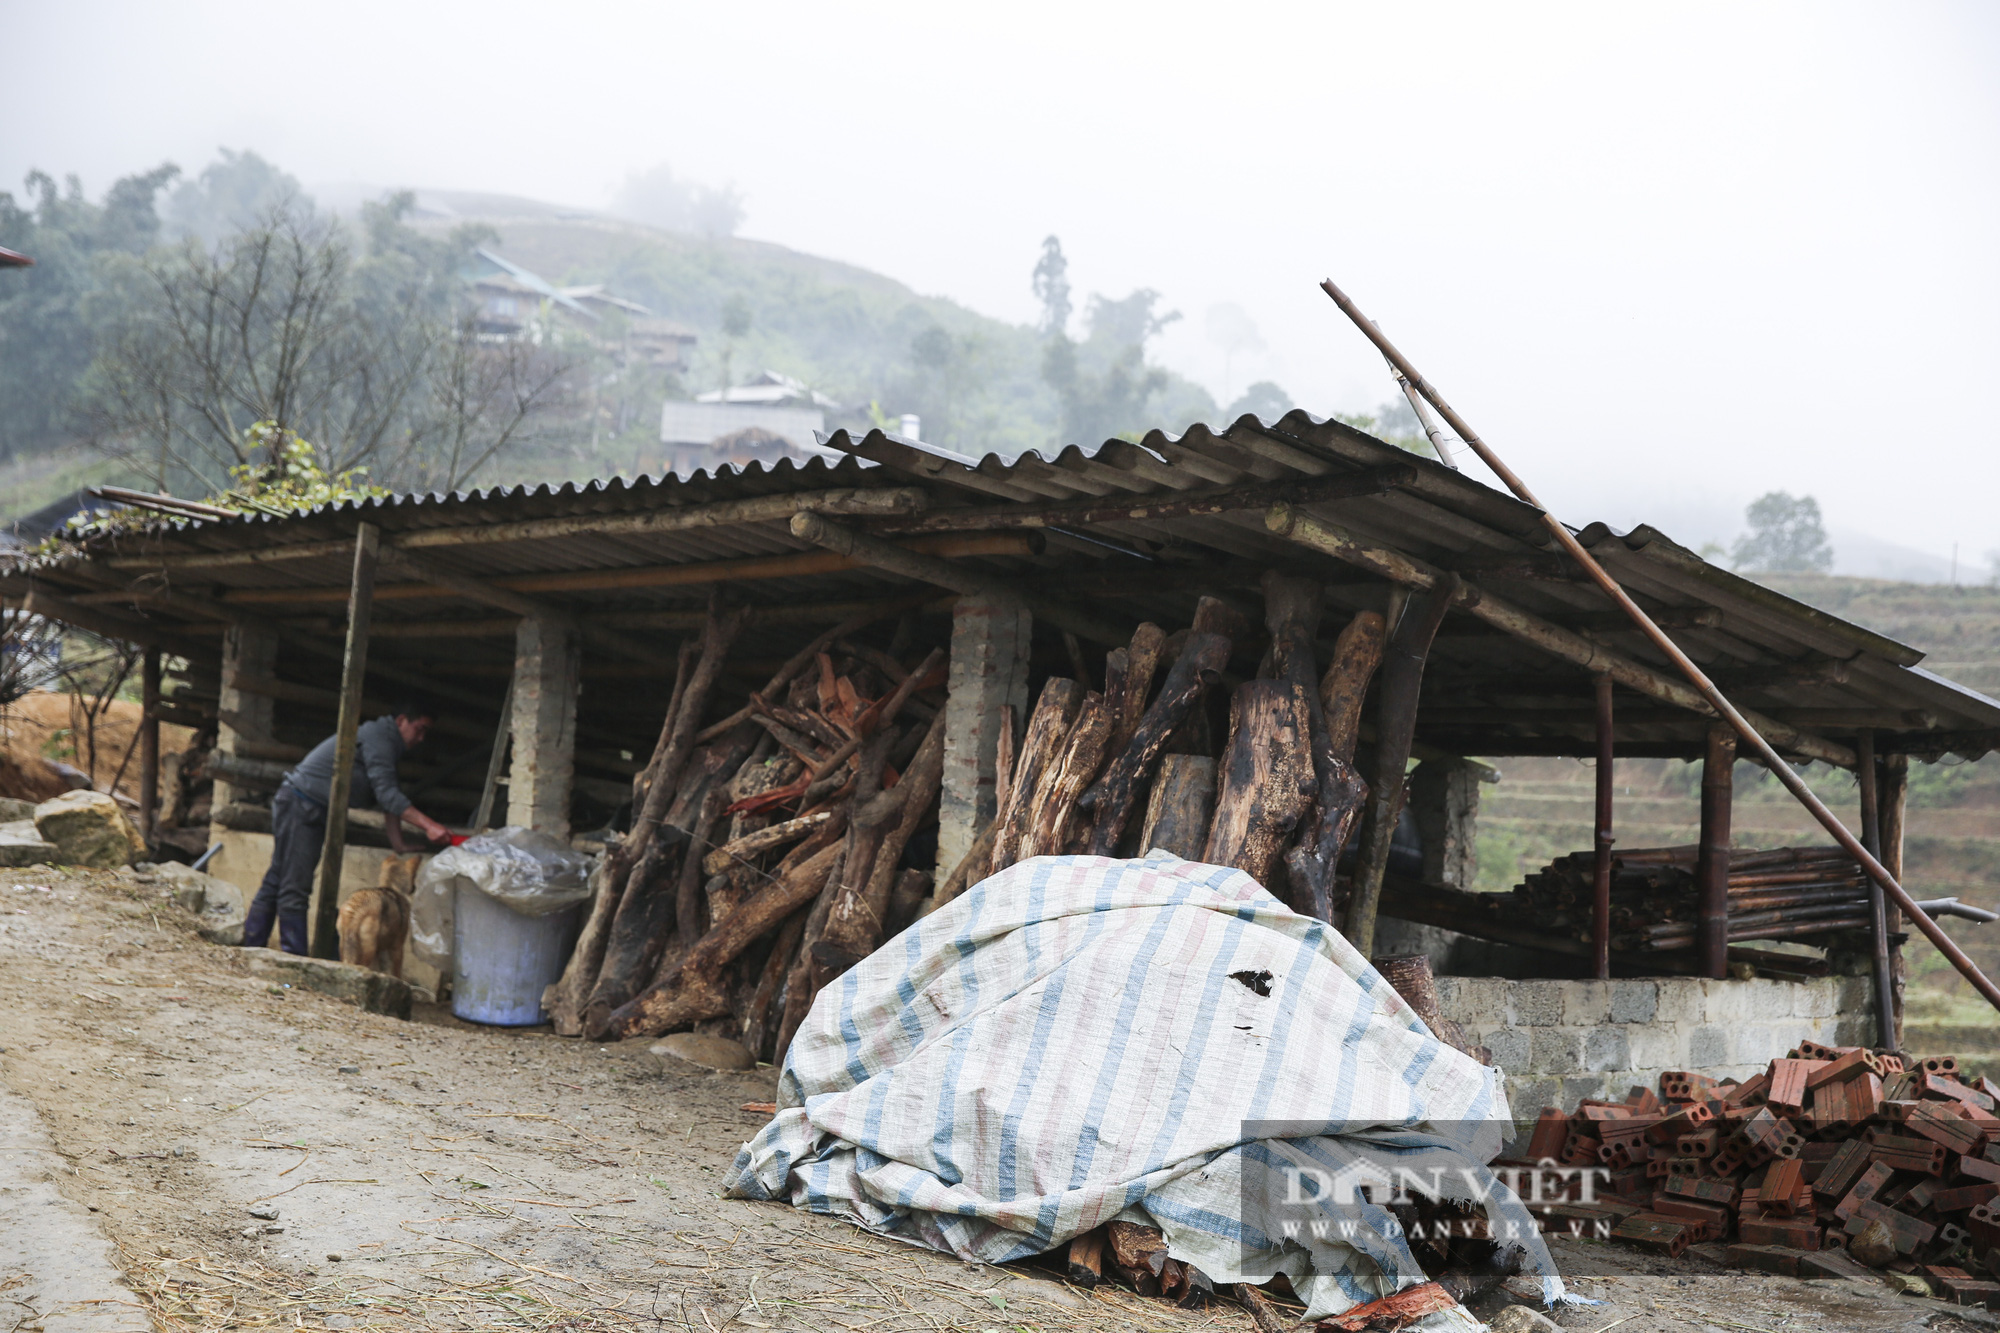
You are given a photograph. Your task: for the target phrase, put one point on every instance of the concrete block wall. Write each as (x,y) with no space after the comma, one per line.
(1562,1041)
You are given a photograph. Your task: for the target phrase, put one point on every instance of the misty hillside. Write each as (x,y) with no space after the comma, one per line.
(862,338)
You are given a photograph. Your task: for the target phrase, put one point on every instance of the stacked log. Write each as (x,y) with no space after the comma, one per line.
(1832,1155)
(767,850)
(1278,798)
(1788,893)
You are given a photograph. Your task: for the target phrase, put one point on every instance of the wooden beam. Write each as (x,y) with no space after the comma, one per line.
(528,608)
(52,606)
(921,563)
(757,509)
(1164,504)
(354,668)
(654,576)
(1330,539)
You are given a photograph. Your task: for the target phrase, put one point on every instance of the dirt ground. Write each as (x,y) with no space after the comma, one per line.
(434,1175)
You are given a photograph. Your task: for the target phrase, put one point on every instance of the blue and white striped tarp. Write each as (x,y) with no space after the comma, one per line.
(1065,1044)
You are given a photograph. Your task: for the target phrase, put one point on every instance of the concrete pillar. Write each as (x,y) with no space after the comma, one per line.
(547,663)
(244,719)
(1444,798)
(989,670)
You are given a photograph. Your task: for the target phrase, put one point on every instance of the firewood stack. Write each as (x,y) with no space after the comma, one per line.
(764,856)
(1832,1149)
(1790,893)
(766,850)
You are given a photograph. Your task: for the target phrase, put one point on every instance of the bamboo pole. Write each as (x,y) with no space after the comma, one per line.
(1600,907)
(1750,735)
(353,667)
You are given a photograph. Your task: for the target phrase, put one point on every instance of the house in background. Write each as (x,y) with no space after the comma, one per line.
(514,303)
(770,417)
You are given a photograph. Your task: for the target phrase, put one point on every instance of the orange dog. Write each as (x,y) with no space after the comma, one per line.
(375,923)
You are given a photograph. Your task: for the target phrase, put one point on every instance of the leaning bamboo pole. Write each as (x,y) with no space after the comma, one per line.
(1696,676)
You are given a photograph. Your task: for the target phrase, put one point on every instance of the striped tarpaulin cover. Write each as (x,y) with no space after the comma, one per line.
(1065,1044)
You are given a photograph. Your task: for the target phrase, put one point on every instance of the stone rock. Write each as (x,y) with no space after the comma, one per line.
(1521,1319)
(20,845)
(707,1052)
(89,829)
(377,992)
(13,810)
(218,906)
(1875,1246)
(267,1211)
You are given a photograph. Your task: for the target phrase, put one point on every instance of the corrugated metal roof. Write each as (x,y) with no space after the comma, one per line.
(1485,693)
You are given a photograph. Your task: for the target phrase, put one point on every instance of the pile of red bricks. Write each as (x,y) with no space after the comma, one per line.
(1831,1149)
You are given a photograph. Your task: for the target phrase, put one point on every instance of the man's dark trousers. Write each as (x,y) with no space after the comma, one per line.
(298,834)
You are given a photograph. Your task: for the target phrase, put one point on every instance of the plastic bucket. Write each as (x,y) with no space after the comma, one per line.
(502,961)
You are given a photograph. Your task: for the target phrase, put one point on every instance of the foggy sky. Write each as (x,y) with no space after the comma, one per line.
(1665,257)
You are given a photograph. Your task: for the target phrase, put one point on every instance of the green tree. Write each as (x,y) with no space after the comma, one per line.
(371,354)
(46,339)
(1785,536)
(234,193)
(1263,399)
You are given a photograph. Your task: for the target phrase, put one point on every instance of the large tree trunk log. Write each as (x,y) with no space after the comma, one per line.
(1183,798)
(1054,713)
(1344,688)
(1396,725)
(1292,609)
(1128,701)
(695,989)
(1266,781)
(1200,665)
(1055,813)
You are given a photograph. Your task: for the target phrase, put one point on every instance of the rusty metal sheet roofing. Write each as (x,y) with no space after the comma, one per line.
(1484,692)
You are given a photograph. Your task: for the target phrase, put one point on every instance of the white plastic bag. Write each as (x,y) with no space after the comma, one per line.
(532,873)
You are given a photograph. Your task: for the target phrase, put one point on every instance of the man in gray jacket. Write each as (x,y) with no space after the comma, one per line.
(298,819)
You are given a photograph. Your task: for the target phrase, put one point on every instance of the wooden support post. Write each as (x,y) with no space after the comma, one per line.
(542,701)
(1395,728)
(1894,803)
(353,668)
(149,744)
(1711,873)
(1600,904)
(1882,966)
(988,672)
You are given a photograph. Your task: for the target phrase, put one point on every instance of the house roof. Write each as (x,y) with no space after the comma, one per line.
(642,556)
